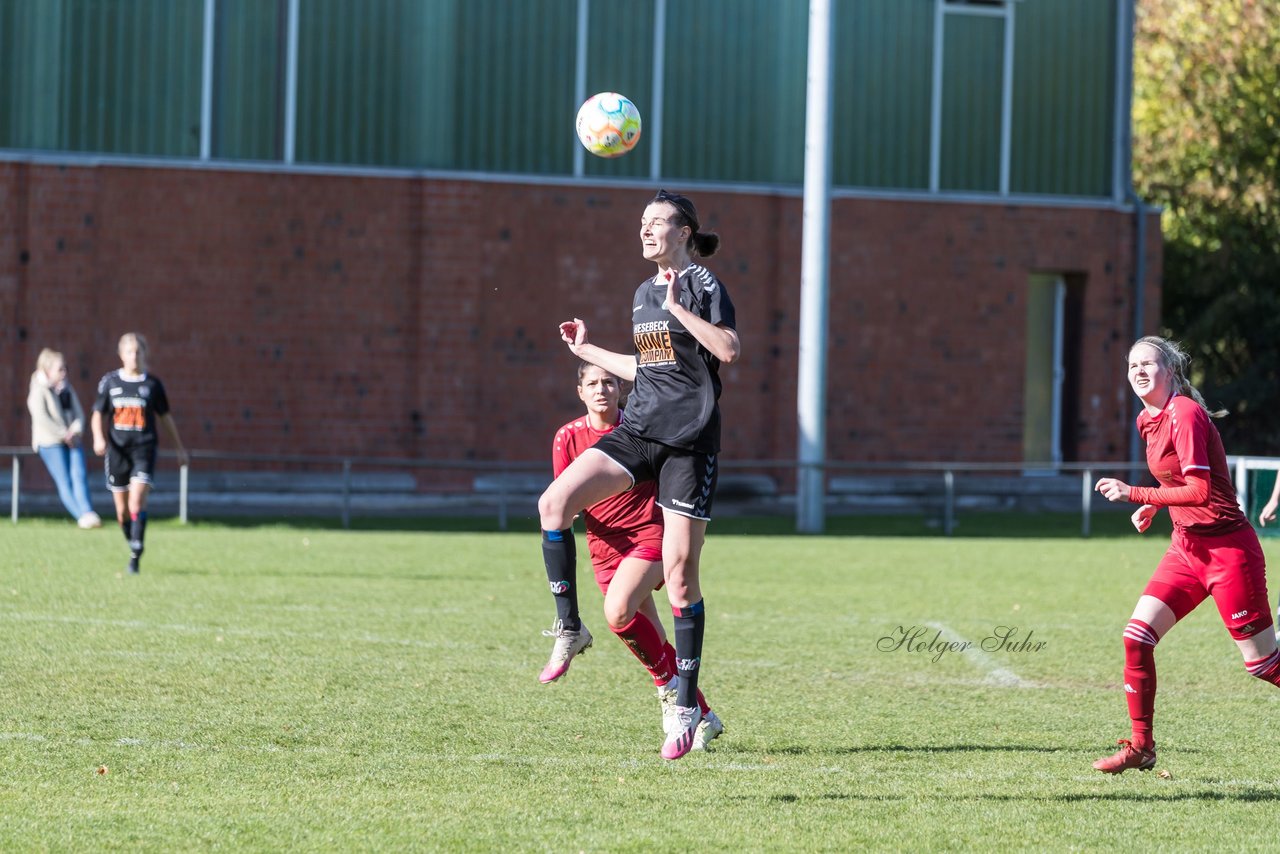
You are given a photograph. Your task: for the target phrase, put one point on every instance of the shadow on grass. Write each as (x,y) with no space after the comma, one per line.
(1204,795)
(804,750)
(1254,794)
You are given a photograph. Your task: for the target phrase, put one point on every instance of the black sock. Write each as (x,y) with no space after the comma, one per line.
(690,623)
(560,556)
(127,527)
(138,532)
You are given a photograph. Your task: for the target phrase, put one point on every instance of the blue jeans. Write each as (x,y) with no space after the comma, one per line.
(66,467)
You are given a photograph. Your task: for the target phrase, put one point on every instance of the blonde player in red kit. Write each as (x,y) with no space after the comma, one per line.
(1214,551)
(624,536)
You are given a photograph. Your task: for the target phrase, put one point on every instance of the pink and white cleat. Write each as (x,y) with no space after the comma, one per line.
(567,645)
(684,727)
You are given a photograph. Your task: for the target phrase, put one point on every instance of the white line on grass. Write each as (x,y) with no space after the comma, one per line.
(996,674)
(216,630)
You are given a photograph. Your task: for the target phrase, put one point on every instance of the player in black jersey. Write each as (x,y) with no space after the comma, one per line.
(132,402)
(684,328)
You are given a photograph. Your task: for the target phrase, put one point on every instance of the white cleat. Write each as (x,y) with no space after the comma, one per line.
(568,644)
(667,697)
(709,730)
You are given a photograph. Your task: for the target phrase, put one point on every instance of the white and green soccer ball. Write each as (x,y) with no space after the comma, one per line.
(608,124)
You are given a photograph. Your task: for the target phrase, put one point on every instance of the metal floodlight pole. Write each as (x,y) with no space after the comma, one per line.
(814,268)
(206,80)
(291,83)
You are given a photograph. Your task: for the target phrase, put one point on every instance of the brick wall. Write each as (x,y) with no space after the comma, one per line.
(312,314)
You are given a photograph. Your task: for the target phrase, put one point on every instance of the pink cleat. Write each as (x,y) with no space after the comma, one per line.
(684,728)
(567,645)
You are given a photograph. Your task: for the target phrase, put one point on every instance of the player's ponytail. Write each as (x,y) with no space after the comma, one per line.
(704,243)
(1176,361)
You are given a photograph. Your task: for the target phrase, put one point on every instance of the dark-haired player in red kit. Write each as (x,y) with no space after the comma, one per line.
(1214,551)
(624,536)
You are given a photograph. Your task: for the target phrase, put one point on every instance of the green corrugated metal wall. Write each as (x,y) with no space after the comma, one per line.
(1064,82)
(511,88)
(249,87)
(735,90)
(883,82)
(93,75)
(619,59)
(972,71)
(489,85)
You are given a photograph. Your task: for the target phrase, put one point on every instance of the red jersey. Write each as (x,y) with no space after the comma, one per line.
(1181,438)
(623,520)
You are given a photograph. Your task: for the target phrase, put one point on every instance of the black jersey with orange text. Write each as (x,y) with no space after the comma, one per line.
(130,408)
(677,380)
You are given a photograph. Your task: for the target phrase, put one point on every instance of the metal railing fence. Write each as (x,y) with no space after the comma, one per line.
(506,488)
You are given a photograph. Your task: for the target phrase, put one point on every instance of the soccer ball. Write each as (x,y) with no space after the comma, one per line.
(608,124)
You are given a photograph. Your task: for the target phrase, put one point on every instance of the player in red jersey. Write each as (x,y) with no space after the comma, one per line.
(1214,551)
(624,537)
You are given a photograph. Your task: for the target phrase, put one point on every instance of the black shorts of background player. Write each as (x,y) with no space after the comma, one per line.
(132,402)
(684,327)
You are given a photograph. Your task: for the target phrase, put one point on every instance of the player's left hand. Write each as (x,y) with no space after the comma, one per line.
(1268,513)
(1112,489)
(1142,517)
(184,458)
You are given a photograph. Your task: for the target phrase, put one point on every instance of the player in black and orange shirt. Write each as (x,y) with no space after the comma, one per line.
(1214,551)
(132,402)
(624,538)
(683,329)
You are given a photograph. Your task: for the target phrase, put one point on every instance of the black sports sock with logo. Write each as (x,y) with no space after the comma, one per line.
(690,623)
(559,554)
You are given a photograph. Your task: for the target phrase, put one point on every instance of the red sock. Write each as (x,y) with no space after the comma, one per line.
(1267,669)
(1140,680)
(702,701)
(643,640)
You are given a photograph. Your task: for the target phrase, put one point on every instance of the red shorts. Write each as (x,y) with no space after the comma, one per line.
(1229,567)
(607,555)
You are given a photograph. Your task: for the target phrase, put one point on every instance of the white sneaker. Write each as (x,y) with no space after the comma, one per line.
(708,730)
(667,698)
(89,520)
(567,645)
(680,736)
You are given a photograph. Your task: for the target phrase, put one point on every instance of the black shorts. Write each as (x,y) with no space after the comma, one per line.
(129,465)
(686,479)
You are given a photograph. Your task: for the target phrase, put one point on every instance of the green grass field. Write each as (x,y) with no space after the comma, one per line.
(300,688)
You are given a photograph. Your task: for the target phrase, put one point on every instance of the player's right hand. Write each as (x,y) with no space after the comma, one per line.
(1142,517)
(574,332)
(99,446)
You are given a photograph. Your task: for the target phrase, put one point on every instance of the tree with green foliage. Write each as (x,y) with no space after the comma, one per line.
(1206,130)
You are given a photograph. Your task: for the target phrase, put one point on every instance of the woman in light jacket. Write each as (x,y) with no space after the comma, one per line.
(57,422)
